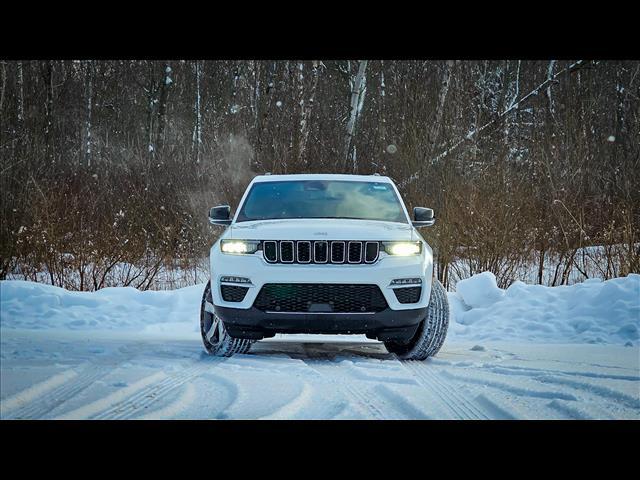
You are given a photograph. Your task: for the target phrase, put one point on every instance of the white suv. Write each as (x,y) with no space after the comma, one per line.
(323,254)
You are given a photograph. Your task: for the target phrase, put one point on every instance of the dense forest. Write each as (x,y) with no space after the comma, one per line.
(108,168)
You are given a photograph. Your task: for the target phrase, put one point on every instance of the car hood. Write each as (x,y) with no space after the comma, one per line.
(321,229)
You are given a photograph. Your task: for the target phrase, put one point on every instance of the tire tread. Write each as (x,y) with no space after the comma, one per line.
(228,346)
(432,333)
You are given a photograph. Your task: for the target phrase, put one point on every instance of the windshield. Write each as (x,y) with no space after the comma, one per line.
(322,199)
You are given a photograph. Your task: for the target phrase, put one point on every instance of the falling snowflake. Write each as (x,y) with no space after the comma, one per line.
(391,148)
(611,138)
(278,104)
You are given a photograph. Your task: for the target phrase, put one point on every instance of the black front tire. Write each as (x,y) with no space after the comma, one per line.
(431,332)
(215,337)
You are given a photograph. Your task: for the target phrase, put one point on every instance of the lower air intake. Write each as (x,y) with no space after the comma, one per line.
(320,297)
(408,294)
(232,293)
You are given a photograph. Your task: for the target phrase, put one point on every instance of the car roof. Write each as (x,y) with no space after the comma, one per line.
(322,176)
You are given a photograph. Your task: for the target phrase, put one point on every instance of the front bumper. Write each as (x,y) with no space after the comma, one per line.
(385,325)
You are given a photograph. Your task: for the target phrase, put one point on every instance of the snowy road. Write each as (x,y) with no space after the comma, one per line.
(527,352)
(69,375)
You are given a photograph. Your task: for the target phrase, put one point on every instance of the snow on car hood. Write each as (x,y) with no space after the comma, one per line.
(319,229)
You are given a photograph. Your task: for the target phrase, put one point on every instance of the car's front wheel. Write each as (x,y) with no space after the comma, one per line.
(215,337)
(431,332)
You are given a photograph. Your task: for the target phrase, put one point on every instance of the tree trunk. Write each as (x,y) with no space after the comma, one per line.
(541,265)
(46,68)
(355,105)
(305,112)
(162,108)
(3,84)
(444,90)
(20,83)
(89,95)
(548,91)
(197,131)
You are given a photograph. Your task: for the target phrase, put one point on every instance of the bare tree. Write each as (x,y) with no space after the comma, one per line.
(355,106)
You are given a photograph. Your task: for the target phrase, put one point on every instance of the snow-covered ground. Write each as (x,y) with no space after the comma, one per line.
(525,352)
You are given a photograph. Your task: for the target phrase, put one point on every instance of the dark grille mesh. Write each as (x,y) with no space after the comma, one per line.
(337,252)
(371,252)
(355,252)
(304,252)
(320,252)
(408,294)
(286,251)
(270,251)
(232,293)
(339,298)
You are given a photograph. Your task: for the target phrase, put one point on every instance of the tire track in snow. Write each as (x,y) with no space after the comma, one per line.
(170,411)
(598,390)
(495,410)
(409,410)
(53,393)
(30,394)
(293,407)
(94,408)
(359,370)
(63,393)
(367,403)
(370,405)
(152,393)
(451,399)
(515,390)
(575,412)
(540,372)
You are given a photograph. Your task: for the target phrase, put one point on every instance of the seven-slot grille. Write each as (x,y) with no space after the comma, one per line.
(320,251)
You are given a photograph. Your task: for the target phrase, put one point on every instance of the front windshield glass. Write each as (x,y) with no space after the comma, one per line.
(322,199)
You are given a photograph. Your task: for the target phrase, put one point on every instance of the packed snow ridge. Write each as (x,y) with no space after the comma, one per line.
(595,311)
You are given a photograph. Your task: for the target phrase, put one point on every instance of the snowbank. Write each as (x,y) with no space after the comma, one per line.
(590,312)
(29,305)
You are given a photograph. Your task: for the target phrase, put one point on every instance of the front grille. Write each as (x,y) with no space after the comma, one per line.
(337,252)
(232,293)
(355,252)
(320,251)
(408,294)
(304,252)
(320,297)
(270,249)
(286,251)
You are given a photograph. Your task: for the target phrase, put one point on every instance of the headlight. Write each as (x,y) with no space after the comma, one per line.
(402,248)
(239,247)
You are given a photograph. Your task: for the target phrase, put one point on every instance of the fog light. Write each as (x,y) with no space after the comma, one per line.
(232,279)
(406,281)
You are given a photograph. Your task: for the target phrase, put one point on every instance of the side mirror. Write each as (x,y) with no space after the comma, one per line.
(220,215)
(423,217)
